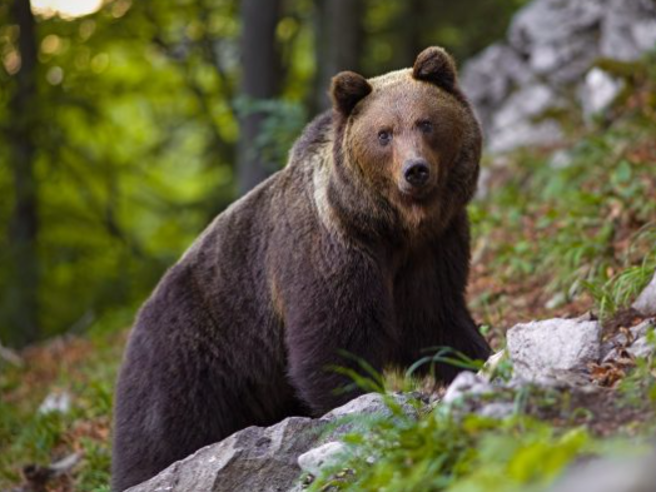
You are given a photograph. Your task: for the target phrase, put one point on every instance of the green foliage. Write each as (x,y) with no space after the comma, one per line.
(445,452)
(399,30)
(622,288)
(94,475)
(28,436)
(639,388)
(128,156)
(575,215)
(444,355)
(283,122)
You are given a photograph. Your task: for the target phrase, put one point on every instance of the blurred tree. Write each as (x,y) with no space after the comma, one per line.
(339,36)
(22,303)
(395,32)
(261,79)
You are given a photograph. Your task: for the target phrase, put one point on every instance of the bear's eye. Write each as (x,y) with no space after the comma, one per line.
(384,137)
(425,126)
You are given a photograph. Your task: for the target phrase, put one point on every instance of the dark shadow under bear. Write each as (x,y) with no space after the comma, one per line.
(361,244)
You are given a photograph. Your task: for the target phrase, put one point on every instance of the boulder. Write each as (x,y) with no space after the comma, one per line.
(256,458)
(374,403)
(598,91)
(316,459)
(466,384)
(646,302)
(558,38)
(546,349)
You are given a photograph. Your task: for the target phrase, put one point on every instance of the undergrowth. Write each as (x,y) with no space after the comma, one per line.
(83,369)
(575,228)
(452,449)
(444,452)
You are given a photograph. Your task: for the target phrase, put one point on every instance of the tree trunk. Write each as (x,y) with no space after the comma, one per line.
(261,80)
(338,44)
(412,27)
(23,228)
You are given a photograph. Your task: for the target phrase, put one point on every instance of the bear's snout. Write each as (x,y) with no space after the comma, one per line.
(416,172)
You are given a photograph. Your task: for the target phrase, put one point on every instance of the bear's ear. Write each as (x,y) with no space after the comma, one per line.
(347,89)
(435,65)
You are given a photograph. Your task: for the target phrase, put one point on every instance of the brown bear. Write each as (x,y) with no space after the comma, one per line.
(360,246)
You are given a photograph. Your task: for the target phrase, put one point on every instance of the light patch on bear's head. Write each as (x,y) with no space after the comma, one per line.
(391,78)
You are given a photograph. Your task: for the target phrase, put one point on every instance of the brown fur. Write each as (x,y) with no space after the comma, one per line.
(328,255)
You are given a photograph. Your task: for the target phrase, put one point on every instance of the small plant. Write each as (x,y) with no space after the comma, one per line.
(444,355)
(621,288)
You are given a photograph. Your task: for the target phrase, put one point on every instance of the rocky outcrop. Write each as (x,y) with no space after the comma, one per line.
(547,63)
(272,459)
(256,458)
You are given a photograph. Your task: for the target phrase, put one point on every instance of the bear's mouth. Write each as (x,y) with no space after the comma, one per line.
(415,196)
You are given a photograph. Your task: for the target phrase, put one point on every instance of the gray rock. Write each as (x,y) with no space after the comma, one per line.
(644,34)
(267,459)
(355,416)
(547,349)
(316,459)
(513,124)
(625,30)
(58,401)
(527,103)
(525,134)
(598,92)
(372,403)
(466,384)
(558,37)
(552,44)
(610,475)
(646,302)
(641,348)
(491,77)
(549,21)
(643,328)
(635,342)
(559,298)
(561,159)
(484,179)
(256,458)
(497,410)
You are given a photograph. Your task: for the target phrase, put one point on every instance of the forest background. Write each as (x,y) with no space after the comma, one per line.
(126,126)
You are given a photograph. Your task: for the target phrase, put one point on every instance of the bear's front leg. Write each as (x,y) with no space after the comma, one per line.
(338,305)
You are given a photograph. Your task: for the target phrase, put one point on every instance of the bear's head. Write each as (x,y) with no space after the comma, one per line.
(407,144)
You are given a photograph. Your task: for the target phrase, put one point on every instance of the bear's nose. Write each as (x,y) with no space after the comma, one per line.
(416,172)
